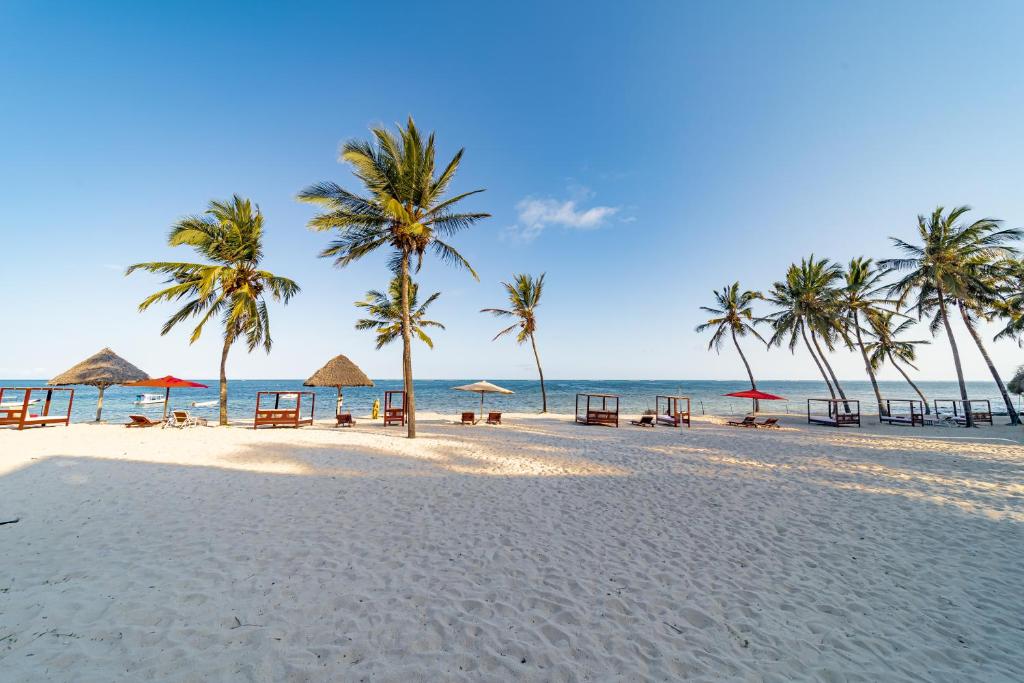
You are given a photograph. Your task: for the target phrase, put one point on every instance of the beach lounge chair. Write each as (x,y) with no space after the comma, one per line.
(645,421)
(344,420)
(494,418)
(182,418)
(142,421)
(769,422)
(748,421)
(469,418)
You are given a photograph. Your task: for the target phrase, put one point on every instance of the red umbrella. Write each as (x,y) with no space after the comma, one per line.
(756,395)
(167,383)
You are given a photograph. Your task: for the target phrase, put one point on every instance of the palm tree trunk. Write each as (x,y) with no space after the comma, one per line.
(224,381)
(824,359)
(410,400)
(540,371)
(810,350)
(867,363)
(753,385)
(1014,419)
(956,356)
(927,408)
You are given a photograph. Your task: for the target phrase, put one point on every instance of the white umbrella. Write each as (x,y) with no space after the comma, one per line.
(483,387)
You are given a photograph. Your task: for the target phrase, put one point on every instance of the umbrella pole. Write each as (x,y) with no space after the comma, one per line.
(99,404)
(481,405)
(167,397)
(337,408)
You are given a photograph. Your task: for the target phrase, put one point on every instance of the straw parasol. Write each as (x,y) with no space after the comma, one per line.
(483,387)
(100,370)
(339,372)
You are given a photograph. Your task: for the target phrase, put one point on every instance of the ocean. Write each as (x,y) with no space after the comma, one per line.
(438,396)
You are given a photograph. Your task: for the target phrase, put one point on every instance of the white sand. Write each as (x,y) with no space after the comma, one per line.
(538,551)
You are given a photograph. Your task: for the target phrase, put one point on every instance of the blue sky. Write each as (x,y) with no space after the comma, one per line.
(642,154)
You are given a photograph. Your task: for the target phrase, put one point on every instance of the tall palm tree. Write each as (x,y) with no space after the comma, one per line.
(886,345)
(807,305)
(385,311)
(953,260)
(734,316)
(405,210)
(860,298)
(232,287)
(524,294)
(1010,305)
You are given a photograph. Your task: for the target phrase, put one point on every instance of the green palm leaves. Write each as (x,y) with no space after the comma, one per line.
(733,315)
(385,311)
(524,293)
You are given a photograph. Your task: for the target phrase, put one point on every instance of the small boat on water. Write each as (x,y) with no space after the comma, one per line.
(17,404)
(145,399)
(205,404)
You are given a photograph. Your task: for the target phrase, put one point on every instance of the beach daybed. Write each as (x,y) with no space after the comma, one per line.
(607,414)
(912,416)
(22,415)
(833,412)
(283,417)
(494,418)
(644,421)
(674,414)
(979,408)
(394,408)
(142,421)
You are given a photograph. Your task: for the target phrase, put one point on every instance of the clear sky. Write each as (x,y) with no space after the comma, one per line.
(642,154)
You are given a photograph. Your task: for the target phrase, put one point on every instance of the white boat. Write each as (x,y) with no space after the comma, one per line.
(144,399)
(17,404)
(204,404)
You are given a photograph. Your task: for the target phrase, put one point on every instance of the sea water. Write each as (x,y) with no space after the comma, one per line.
(438,396)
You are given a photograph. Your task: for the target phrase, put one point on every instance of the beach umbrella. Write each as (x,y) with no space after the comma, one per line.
(101,370)
(756,395)
(482,387)
(339,372)
(167,383)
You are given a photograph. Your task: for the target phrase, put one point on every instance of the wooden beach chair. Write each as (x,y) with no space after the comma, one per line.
(769,423)
(645,421)
(748,421)
(142,421)
(494,418)
(344,420)
(469,418)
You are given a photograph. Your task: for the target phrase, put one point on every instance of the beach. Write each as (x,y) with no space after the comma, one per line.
(538,550)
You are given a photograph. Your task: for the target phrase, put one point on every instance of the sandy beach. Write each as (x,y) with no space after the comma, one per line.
(537,551)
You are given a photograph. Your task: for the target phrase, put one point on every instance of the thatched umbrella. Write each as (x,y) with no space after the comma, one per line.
(100,370)
(339,372)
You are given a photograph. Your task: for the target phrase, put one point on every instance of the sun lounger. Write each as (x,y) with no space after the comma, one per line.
(645,421)
(748,421)
(469,418)
(770,423)
(494,418)
(142,421)
(344,420)
(182,418)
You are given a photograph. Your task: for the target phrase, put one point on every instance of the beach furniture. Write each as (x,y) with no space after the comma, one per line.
(182,418)
(834,412)
(494,418)
(103,369)
(588,412)
(768,423)
(644,421)
(339,372)
(483,387)
(468,418)
(166,383)
(141,421)
(980,410)
(394,408)
(284,417)
(676,413)
(748,421)
(20,413)
(344,420)
(912,416)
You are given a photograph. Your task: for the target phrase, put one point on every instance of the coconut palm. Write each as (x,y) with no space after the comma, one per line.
(860,298)
(733,316)
(1010,306)
(954,260)
(524,294)
(385,309)
(1016,384)
(807,306)
(405,210)
(232,287)
(887,346)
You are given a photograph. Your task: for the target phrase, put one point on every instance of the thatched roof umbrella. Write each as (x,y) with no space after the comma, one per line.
(339,372)
(101,370)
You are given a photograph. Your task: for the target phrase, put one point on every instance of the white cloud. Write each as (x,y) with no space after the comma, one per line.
(536,214)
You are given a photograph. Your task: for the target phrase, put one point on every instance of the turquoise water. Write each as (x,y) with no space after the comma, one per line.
(438,396)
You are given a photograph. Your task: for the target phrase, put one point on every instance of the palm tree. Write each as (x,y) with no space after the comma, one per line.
(859,298)
(953,261)
(807,303)
(385,309)
(232,287)
(405,210)
(886,345)
(524,296)
(1016,384)
(733,315)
